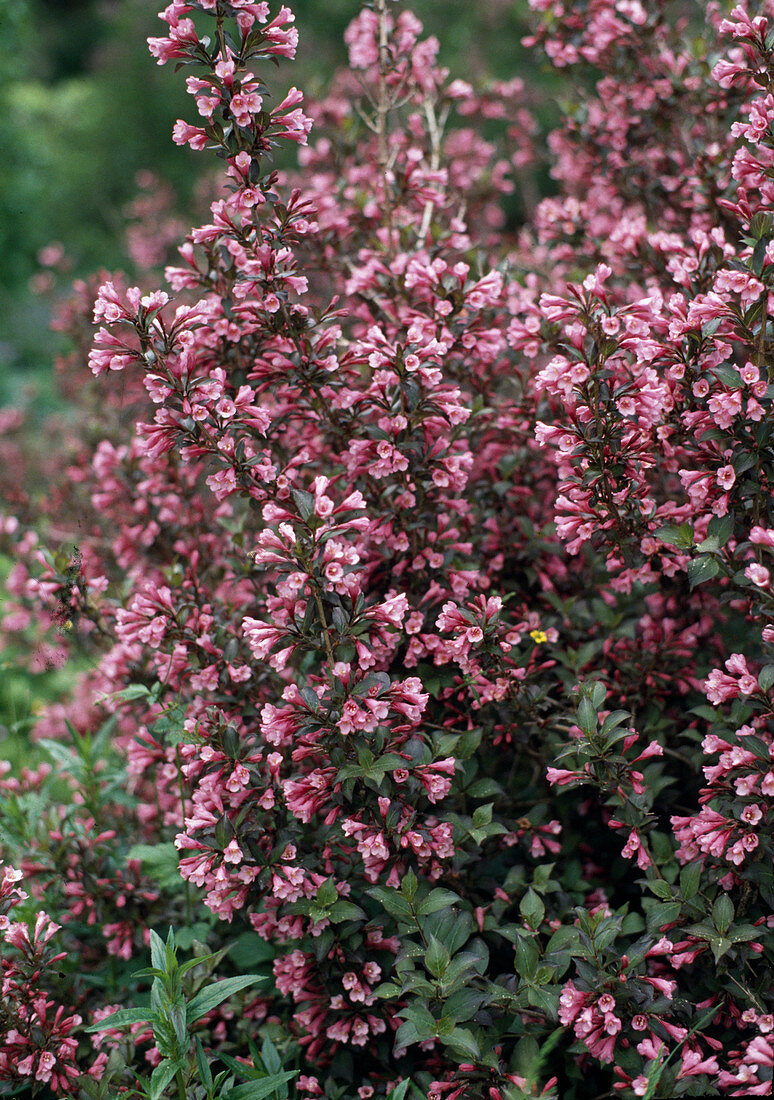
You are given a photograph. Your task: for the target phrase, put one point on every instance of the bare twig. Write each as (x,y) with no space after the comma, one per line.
(383,107)
(435,127)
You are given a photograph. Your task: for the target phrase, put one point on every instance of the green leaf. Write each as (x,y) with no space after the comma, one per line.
(444,1026)
(399,1092)
(532,909)
(409,885)
(758,256)
(203,1065)
(468,742)
(240,1068)
(270,1056)
(124,1018)
(344,910)
(435,900)
(249,949)
(723,913)
(387,989)
(661,889)
(614,721)
(406,1035)
(176,1015)
(484,788)
(526,958)
(482,815)
(349,771)
(766,677)
(422,1019)
(702,569)
(437,958)
(587,716)
(632,924)
(462,1040)
(669,534)
(391,902)
(463,1004)
(161,1076)
(760,225)
(213,995)
(161,862)
(327,893)
(662,914)
(690,877)
(127,695)
(185,937)
(304,502)
(703,930)
(744,933)
(259,1090)
(543,999)
(726,374)
(657,1070)
(672,535)
(719,946)
(158,952)
(542,874)
(721,528)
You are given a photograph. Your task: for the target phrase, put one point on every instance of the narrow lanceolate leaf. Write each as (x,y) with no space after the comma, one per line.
(213,995)
(259,1090)
(657,1070)
(158,952)
(203,1065)
(161,1076)
(124,1018)
(587,716)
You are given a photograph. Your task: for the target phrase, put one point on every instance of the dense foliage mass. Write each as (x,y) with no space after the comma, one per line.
(426,573)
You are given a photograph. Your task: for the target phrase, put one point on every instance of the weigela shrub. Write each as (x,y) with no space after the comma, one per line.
(425,565)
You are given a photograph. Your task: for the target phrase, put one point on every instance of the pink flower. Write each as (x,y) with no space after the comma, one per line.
(762,536)
(693,1064)
(752,814)
(666,987)
(726,477)
(758,574)
(571,1002)
(718,687)
(185,134)
(560,777)
(243,106)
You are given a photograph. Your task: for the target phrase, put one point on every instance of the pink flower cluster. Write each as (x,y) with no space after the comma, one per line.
(36,1043)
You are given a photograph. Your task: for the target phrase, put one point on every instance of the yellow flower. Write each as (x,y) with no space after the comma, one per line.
(538,636)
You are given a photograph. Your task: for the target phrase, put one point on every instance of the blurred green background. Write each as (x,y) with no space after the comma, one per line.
(83,108)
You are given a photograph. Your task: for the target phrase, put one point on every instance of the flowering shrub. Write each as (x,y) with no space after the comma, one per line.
(425,567)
